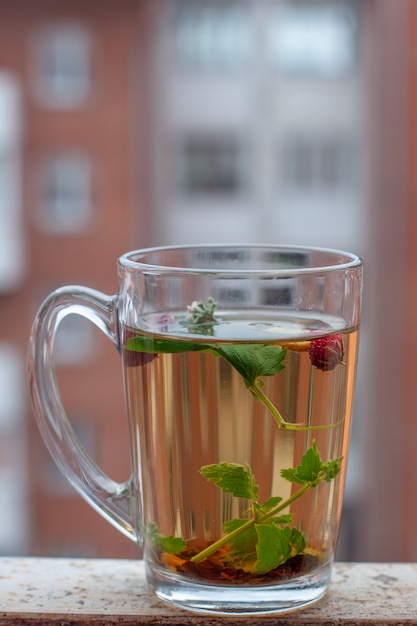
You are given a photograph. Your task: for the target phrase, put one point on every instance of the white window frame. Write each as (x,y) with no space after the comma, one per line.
(220,159)
(63,64)
(213,37)
(317,149)
(12,241)
(313,39)
(65,193)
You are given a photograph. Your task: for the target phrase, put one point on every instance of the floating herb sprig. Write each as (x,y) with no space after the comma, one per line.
(201,318)
(251,361)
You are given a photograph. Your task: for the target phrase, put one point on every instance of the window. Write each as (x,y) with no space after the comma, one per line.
(12,257)
(63,70)
(12,386)
(212,36)
(13,496)
(325,165)
(209,164)
(314,38)
(65,199)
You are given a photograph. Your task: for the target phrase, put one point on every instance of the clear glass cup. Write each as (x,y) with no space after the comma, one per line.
(239,368)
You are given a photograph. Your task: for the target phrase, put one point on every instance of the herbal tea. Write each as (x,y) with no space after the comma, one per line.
(239,416)
(242,426)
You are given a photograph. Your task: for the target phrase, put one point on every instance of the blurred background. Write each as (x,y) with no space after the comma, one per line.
(147,122)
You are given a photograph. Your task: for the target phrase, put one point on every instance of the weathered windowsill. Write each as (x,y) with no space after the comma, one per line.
(69,592)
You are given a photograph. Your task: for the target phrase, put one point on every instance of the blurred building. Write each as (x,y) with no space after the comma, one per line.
(134,123)
(260,130)
(71,201)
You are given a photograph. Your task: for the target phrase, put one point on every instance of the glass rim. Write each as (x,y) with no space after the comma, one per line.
(347,260)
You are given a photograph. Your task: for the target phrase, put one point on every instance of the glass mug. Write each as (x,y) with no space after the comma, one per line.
(239,370)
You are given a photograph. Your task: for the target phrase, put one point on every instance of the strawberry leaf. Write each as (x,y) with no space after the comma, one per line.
(253,360)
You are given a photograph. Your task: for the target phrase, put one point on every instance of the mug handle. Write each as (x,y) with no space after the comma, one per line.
(116,502)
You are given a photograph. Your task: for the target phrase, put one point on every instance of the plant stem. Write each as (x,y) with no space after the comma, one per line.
(282,423)
(214,547)
(283,505)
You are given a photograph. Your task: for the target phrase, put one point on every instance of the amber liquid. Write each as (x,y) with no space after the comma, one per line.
(192,409)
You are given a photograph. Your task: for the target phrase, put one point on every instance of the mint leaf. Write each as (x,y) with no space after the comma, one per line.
(170,544)
(265,532)
(309,469)
(241,552)
(234,524)
(262,547)
(253,360)
(332,468)
(271,503)
(282,519)
(273,547)
(298,541)
(265,511)
(232,478)
(276,545)
(312,470)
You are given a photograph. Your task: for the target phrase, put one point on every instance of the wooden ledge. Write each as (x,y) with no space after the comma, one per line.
(76,592)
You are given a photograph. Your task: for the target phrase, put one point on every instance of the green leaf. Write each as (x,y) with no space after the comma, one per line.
(332,468)
(153,345)
(170,544)
(287,518)
(232,478)
(263,511)
(298,541)
(253,360)
(276,545)
(242,547)
(271,503)
(233,524)
(273,547)
(308,471)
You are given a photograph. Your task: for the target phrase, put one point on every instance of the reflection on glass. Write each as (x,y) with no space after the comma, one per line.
(75,342)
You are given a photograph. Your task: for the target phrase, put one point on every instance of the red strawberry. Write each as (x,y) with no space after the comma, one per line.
(326,352)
